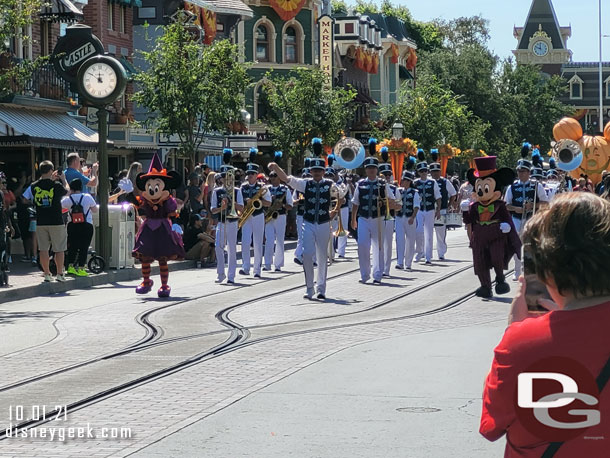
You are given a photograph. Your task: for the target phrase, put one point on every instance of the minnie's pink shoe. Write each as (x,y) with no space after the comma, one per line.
(144,287)
(164,291)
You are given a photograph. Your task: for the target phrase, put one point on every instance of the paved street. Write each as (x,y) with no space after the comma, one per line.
(256,370)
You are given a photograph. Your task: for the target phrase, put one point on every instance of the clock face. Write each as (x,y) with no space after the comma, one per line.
(99,80)
(541,48)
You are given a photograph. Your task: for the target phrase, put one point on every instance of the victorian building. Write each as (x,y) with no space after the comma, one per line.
(543,41)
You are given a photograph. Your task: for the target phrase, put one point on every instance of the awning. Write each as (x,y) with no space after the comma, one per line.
(236,7)
(45,128)
(137,3)
(363,97)
(61,11)
(129,68)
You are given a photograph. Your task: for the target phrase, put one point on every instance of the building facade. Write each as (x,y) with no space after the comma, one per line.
(543,41)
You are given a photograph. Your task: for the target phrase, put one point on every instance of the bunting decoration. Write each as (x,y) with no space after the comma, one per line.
(395,53)
(195,10)
(209,25)
(411,60)
(368,62)
(287,9)
(359,59)
(375,64)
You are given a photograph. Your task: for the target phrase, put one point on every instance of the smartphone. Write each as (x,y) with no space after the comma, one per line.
(535,289)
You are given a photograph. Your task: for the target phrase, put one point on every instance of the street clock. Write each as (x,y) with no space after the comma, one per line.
(101,80)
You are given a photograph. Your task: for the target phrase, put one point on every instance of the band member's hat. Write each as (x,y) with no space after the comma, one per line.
(435,166)
(330,171)
(537,172)
(317,163)
(524,164)
(251,166)
(371,162)
(422,166)
(385,168)
(406,175)
(552,173)
(227,154)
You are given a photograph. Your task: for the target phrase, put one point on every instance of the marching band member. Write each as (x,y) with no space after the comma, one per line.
(520,197)
(226,227)
(367,217)
(331,174)
(275,224)
(342,241)
(430,209)
(298,199)
(405,221)
(448,197)
(253,229)
(317,216)
(385,169)
(552,180)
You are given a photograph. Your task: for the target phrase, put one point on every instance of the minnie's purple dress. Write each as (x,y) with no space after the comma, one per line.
(155,240)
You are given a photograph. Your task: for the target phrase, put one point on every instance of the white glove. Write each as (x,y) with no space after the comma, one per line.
(465,205)
(505,228)
(126,185)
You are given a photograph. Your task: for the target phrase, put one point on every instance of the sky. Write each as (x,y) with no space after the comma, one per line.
(505,14)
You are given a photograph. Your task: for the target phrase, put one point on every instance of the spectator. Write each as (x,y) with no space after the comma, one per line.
(198,242)
(46,194)
(570,245)
(80,228)
(193,197)
(74,171)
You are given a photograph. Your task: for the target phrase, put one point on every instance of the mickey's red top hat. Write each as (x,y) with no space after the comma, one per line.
(485,166)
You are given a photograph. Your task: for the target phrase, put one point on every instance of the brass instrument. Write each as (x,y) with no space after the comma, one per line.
(274,210)
(568,154)
(342,190)
(230,188)
(254,204)
(349,153)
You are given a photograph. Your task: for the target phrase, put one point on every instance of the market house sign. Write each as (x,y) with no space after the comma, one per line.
(326,30)
(75,47)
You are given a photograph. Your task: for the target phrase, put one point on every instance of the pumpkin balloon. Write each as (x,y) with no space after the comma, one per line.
(607,132)
(567,128)
(596,157)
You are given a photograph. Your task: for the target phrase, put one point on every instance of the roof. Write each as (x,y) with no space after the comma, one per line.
(46,128)
(577,65)
(61,11)
(236,7)
(542,14)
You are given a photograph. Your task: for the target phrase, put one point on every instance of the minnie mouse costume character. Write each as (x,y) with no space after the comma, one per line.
(492,233)
(155,241)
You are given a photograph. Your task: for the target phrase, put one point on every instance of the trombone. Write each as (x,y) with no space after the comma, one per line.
(342,190)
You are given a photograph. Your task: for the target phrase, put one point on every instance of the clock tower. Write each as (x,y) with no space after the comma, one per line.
(542,41)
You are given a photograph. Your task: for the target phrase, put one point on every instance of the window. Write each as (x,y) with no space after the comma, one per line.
(46,35)
(123,19)
(292,56)
(149,12)
(608,87)
(576,87)
(349,27)
(110,16)
(261,103)
(262,44)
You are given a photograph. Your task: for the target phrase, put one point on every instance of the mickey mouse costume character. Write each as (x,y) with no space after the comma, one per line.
(492,233)
(155,240)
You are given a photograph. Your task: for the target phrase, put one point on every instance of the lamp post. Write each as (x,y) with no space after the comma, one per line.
(397,130)
(601,92)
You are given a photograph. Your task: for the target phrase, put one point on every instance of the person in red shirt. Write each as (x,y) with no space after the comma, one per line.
(570,243)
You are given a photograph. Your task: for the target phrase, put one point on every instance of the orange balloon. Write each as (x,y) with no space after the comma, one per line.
(567,128)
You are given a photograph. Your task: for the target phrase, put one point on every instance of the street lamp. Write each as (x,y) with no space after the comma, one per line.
(397,130)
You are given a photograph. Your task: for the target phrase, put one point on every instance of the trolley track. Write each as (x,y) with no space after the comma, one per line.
(239,339)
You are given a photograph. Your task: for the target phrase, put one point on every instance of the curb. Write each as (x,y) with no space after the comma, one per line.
(114,276)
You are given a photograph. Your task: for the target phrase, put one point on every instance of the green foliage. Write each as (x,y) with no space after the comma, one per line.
(191,89)
(303,106)
(16,16)
(338,7)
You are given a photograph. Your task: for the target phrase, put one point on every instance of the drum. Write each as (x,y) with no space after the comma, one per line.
(453,220)
(440,221)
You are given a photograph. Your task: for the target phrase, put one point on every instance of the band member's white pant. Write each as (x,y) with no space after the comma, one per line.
(275,230)
(253,228)
(388,239)
(441,238)
(368,234)
(298,253)
(231,241)
(342,241)
(315,243)
(425,234)
(405,241)
(517,223)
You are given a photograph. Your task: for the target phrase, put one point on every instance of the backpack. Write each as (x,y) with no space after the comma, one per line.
(77,212)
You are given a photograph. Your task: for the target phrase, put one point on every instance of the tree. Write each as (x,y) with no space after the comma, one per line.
(191,89)
(16,15)
(338,7)
(432,115)
(303,106)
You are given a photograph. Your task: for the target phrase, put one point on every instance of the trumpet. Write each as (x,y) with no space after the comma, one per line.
(274,210)
(254,204)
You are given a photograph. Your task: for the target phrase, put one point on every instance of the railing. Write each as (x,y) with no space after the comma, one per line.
(44,82)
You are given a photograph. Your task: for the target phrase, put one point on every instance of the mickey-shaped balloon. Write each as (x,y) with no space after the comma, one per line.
(492,234)
(155,241)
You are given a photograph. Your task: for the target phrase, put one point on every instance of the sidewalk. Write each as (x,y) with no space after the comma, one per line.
(25,279)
